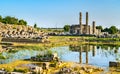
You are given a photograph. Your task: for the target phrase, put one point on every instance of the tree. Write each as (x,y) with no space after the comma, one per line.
(35,25)
(66,28)
(99,27)
(10,20)
(106,30)
(22,22)
(0,18)
(113,30)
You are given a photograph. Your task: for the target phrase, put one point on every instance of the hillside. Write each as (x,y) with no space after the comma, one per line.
(20,31)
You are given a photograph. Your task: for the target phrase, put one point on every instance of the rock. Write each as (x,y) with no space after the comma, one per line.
(118,69)
(55,55)
(2,69)
(114,64)
(2,72)
(75,72)
(81,72)
(89,71)
(36,69)
(16,73)
(84,68)
(65,70)
(45,66)
(100,69)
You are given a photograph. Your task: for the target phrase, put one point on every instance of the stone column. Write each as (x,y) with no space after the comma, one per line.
(87,23)
(94,27)
(80,22)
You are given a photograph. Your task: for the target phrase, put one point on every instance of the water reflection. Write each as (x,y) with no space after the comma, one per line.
(84,54)
(83,48)
(12,55)
(89,54)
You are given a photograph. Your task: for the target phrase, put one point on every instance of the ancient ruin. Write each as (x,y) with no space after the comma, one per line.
(84,29)
(21,33)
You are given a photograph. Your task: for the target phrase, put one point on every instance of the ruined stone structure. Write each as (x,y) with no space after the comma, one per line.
(21,33)
(84,29)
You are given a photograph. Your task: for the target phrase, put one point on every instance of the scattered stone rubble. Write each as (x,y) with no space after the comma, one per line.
(114,64)
(80,70)
(21,32)
(45,58)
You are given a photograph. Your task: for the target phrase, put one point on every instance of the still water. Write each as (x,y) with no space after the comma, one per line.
(23,53)
(93,55)
(90,54)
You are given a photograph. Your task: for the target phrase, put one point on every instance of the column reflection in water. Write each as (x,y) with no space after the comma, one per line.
(87,46)
(86,49)
(80,53)
(83,48)
(93,51)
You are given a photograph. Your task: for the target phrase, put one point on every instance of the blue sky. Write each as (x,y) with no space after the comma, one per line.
(57,13)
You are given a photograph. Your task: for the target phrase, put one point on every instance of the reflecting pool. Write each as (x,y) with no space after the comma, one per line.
(89,54)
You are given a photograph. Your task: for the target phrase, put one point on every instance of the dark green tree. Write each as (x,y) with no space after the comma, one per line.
(99,27)
(0,18)
(10,20)
(22,22)
(113,30)
(35,25)
(106,30)
(66,28)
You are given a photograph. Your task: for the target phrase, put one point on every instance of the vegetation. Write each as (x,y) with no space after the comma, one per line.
(12,20)
(56,30)
(0,18)
(35,25)
(99,27)
(55,41)
(111,30)
(28,47)
(11,66)
(66,28)
(22,22)
(2,57)
(23,70)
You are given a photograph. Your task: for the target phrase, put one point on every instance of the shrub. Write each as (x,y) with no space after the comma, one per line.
(23,70)
(9,69)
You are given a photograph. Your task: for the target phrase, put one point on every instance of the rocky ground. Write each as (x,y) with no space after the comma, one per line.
(71,68)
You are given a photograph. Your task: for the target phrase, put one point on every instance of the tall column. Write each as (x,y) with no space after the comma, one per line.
(87,23)
(80,22)
(94,27)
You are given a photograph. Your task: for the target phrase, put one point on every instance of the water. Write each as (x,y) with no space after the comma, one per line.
(93,55)
(20,55)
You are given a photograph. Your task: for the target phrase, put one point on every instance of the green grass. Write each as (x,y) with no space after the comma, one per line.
(11,66)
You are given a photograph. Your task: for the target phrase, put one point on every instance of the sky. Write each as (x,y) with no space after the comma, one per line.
(57,13)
